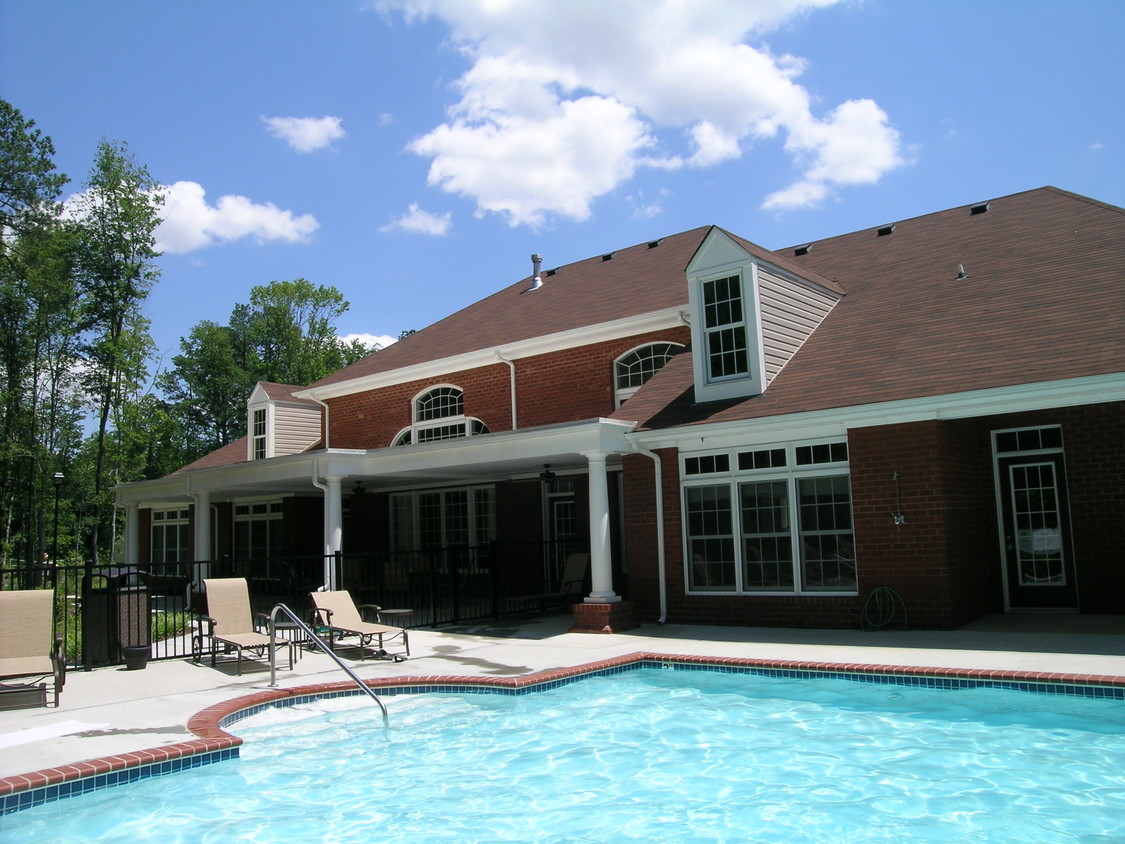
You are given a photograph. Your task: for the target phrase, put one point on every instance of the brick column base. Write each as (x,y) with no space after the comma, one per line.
(603,618)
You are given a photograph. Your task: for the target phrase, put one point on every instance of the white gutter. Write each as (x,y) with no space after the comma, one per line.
(512,378)
(326,428)
(662,578)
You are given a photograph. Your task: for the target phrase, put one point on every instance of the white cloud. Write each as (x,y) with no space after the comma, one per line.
(306,134)
(421,222)
(371,341)
(566,99)
(191,223)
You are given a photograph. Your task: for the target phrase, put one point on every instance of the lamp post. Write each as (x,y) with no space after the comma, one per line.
(58,479)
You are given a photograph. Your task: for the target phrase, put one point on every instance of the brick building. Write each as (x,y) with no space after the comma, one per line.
(734,435)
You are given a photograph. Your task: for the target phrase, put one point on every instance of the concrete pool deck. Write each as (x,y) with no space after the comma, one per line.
(111,711)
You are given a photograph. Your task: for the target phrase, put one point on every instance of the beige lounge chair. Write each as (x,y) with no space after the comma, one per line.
(339,614)
(570,586)
(29,647)
(229,621)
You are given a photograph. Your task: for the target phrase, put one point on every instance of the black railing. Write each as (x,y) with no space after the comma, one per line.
(103,611)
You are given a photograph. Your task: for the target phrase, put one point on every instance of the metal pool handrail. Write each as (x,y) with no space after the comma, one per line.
(316,641)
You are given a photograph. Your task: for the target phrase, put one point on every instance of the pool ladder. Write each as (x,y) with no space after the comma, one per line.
(316,640)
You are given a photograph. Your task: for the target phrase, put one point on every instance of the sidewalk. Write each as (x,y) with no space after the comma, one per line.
(110,711)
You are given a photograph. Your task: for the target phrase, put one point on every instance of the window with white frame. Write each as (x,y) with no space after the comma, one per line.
(770,520)
(443,518)
(258,434)
(170,532)
(439,414)
(726,349)
(258,530)
(635,367)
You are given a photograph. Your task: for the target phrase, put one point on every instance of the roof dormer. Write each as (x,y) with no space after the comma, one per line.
(750,312)
(278,423)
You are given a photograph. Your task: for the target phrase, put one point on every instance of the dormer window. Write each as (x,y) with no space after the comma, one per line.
(258,434)
(633,369)
(724,328)
(439,414)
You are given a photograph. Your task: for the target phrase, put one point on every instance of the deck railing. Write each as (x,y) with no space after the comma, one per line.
(101,611)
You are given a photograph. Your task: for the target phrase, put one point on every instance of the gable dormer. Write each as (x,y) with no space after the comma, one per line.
(278,423)
(750,312)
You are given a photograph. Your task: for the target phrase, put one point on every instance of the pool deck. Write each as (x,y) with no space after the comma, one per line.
(111,711)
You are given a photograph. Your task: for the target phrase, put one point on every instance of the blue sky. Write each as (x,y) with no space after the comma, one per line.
(414,153)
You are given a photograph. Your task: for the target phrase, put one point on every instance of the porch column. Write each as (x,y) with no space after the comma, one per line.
(601,569)
(202,525)
(132,534)
(333,527)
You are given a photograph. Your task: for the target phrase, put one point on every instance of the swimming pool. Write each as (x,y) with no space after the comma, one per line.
(653,754)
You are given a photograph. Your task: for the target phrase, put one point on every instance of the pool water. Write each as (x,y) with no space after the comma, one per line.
(647,755)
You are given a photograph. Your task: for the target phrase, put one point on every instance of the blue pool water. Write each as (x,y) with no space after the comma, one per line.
(648,755)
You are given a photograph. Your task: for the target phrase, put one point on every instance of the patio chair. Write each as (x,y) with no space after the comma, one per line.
(229,622)
(569,590)
(30,652)
(337,612)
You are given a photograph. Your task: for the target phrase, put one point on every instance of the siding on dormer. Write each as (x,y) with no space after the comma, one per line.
(790,312)
(295,429)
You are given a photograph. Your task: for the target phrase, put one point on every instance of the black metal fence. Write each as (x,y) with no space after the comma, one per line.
(109,614)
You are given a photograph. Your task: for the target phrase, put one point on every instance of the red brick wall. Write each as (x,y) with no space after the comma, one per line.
(558,387)
(944,560)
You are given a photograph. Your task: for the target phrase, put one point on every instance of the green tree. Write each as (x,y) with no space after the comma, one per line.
(29,185)
(117,213)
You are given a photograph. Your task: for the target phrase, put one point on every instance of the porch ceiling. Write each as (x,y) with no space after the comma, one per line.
(482,458)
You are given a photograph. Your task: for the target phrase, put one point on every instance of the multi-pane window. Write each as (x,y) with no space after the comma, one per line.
(442,519)
(170,536)
(634,368)
(779,522)
(724,329)
(258,433)
(258,530)
(439,414)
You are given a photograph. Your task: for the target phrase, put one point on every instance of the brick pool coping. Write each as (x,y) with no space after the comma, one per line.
(213,743)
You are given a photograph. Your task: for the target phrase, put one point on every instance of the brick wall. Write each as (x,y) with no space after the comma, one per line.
(558,387)
(944,560)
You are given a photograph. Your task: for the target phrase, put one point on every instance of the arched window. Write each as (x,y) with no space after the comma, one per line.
(439,414)
(635,367)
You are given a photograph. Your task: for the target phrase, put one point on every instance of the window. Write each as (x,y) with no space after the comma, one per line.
(724,329)
(780,522)
(258,530)
(443,518)
(169,536)
(439,414)
(634,368)
(258,434)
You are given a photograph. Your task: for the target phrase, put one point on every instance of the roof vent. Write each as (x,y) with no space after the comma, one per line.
(803,250)
(536,279)
(981,208)
(550,273)
(652,244)
(885,230)
(962,273)
(608,256)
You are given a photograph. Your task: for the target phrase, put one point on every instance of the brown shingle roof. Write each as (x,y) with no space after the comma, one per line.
(228,455)
(637,280)
(1044,300)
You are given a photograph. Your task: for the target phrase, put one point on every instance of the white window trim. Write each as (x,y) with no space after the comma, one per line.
(733,476)
(268,450)
(416,427)
(730,386)
(623,394)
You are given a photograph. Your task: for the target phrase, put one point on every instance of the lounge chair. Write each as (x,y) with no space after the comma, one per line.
(569,590)
(229,621)
(337,612)
(29,649)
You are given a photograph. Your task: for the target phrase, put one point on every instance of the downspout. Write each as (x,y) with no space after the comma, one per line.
(322,404)
(324,546)
(662,578)
(512,379)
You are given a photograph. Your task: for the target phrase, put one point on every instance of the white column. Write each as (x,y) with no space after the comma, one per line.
(601,564)
(132,534)
(333,527)
(202,536)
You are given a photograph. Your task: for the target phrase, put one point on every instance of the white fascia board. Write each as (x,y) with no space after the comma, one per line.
(1097,389)
(561,341)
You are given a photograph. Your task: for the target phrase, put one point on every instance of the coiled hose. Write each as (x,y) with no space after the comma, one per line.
(881,608)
